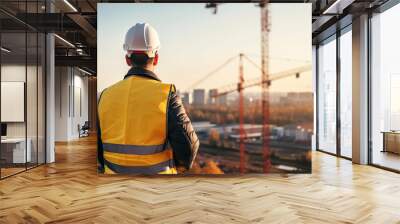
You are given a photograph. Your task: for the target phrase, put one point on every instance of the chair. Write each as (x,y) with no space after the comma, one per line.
(84,130)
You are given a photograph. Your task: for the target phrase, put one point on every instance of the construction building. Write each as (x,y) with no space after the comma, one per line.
(185,98)
(211,99)
(199,97)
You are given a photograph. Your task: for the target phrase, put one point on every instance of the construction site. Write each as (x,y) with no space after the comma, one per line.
(240,106)
(256,131)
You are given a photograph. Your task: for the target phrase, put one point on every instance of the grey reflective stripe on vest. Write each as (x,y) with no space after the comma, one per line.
(153,169)
(133,149)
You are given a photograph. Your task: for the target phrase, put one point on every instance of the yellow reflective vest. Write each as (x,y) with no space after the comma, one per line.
(133,123)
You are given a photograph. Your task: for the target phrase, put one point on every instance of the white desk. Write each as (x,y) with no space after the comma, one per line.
(18,145)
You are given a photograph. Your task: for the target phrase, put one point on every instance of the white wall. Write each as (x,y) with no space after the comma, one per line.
(71,94)
(61,103)
(16,73)
(79,117)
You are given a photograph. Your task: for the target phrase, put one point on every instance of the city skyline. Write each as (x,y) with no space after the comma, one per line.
(201,96)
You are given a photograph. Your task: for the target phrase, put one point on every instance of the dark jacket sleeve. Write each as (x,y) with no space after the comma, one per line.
(181,135)
(100,155)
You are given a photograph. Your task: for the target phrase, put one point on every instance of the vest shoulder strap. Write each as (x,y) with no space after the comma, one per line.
(173,88)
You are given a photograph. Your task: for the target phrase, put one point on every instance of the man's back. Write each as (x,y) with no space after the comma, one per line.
(137,107)
(144,128)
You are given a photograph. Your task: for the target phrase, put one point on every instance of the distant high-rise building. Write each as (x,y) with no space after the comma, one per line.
(222,99)
(212,99)
(185,98)
(199,96)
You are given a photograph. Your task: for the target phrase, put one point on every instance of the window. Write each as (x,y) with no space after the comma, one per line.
(346,93)
(327,96)
(385,89)
(395,102)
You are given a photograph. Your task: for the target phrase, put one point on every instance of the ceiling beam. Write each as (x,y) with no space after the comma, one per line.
(81,61)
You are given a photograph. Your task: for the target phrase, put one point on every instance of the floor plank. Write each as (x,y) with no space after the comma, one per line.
(71,191)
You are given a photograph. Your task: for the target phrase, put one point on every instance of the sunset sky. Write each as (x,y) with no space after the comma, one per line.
(194,41)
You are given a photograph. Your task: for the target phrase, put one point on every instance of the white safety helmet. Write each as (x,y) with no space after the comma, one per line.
(142,37)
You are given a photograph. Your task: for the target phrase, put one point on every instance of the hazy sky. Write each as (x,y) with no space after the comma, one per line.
(194,41)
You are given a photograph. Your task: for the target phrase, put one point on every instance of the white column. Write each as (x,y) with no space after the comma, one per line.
(314,80)
(360,90)
(50,92)
(50,110)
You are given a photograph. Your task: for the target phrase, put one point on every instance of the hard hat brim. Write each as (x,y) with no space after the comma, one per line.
(150,54)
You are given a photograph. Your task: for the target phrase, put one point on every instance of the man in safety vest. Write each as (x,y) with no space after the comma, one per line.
(143,126)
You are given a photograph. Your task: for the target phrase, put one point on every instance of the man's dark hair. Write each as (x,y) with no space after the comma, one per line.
(140,59)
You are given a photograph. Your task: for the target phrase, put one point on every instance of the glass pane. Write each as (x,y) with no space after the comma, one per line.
(327,97)
(22,89)
(346,94)
(386,89)
(31,98)
(13,87)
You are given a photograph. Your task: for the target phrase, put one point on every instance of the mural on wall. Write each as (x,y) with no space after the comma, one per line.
(242,73)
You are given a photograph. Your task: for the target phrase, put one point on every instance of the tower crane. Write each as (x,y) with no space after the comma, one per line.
(264,85)
(265,81)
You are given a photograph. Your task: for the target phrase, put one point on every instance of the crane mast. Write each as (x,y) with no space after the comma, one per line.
(265,84)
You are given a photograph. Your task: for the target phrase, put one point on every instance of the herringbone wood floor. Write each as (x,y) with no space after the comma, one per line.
(70,191)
